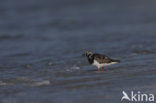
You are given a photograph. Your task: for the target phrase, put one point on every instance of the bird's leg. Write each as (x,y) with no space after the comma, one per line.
(98,69)
(102,68)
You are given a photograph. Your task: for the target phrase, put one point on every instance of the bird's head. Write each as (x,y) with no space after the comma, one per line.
(88,54)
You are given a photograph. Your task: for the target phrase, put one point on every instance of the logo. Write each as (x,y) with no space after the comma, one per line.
(137,96)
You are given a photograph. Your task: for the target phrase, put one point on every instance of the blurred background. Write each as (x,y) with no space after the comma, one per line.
(42,42)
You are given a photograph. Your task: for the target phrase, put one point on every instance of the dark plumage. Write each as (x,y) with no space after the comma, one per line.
(104,59)
(99,60)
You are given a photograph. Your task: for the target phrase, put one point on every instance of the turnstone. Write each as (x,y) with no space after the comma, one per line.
(100,60)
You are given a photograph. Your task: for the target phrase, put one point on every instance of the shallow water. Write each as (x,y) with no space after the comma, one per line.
(41,47)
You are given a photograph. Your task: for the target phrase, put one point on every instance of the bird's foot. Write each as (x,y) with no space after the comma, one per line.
(98,69)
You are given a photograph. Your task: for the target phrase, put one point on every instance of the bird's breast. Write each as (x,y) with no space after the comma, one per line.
(90,60)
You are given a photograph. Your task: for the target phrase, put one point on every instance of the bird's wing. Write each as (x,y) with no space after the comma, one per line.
(102,58)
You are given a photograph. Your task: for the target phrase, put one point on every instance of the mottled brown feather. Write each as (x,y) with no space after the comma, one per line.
(102,58)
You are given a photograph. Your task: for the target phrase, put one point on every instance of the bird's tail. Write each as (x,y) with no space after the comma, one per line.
(113,60)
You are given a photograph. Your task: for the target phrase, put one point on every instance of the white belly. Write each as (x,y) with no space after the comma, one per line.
(103,64)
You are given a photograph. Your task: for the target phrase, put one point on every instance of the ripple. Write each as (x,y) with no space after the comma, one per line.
(25,81)
(41,83)
(2,83)
(143,52)
(10,37)
(73,68)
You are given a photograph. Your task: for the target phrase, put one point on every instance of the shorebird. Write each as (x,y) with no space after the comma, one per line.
(100,60)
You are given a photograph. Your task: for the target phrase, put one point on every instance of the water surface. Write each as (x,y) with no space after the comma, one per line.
(41,46)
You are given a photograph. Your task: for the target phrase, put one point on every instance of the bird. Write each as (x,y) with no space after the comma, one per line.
(99,60)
